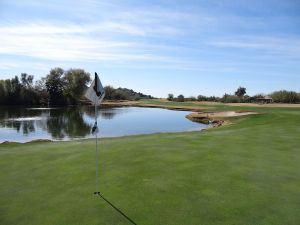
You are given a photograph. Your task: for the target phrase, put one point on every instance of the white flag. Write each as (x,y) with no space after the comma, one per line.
(95,93)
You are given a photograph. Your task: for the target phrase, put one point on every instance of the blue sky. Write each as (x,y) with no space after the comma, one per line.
(157,47)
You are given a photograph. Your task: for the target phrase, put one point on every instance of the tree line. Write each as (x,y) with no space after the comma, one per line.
(240,96)
(59,87)
(66,87)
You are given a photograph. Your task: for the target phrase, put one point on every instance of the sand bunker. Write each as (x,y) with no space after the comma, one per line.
(222,114)
(217,118)
(230,114)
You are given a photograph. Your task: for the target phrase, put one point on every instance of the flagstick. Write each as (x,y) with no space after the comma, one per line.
(97,155)
(96,93)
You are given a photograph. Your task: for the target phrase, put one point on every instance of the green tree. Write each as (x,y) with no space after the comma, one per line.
(3,94)
(201,98)
(28,95)
(230,98)
(15,90)
(180,98)
(170,97)
(40,88)
(240,92)
(110,92)
(191,98)
(26,80)
(121,95)
(75,83)
(284,96)
(55,86)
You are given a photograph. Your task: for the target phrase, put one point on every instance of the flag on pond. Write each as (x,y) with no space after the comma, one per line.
(95,92)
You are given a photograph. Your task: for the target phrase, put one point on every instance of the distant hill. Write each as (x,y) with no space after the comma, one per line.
(124,94)
(134,95)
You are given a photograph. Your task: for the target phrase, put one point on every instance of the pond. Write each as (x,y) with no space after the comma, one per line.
(26,124)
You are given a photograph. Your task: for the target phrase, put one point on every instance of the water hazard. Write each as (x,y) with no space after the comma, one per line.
(26,124)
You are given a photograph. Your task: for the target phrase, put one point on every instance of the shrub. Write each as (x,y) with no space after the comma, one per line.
(192,99)
(180,98)
(202,98)
(284,96)
(170,97)
(230,99)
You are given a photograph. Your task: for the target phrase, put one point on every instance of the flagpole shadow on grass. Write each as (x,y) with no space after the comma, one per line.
(117,209)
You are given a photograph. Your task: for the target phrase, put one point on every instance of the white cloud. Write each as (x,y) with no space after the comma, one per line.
(269,46)
(161,37)
(106,40)
(66,42)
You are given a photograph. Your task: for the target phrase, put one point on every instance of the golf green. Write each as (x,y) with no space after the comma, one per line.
(244,173)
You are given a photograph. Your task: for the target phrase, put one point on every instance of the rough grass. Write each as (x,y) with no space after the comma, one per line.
(244,173)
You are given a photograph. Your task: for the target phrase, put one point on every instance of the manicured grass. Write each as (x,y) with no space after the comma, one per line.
(246,173)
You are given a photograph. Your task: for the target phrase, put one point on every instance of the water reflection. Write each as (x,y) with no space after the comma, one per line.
(19,119)
(59,122)
(25,124)
(105,113)
(67,123)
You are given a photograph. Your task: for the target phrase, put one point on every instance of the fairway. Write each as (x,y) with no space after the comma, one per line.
(245,173)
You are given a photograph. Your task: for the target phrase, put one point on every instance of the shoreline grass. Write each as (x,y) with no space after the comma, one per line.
(244,173)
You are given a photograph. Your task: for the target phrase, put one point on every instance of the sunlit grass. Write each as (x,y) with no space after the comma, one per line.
(244,173)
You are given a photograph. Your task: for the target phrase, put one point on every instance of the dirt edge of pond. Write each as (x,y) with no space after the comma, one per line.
(33,141)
